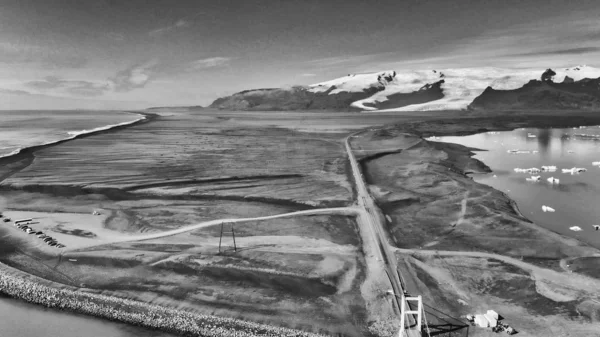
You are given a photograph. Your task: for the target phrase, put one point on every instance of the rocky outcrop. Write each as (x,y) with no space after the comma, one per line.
(548,75)
(545,94)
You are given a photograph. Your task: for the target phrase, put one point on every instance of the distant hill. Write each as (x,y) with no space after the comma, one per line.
(175,108)
(543,94)
(333,96)
(448,89)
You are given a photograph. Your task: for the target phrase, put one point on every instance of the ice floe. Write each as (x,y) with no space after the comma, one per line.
(518,151)
(548,209)
(586,136)
(596,163)
(528,170)
(574,170)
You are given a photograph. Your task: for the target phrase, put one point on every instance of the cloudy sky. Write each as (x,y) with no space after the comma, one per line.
(110,54)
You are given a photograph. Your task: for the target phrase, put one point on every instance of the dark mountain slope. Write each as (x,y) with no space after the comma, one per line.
(544,94)
(295,98)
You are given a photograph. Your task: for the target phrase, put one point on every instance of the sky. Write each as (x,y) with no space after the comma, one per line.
(132,54)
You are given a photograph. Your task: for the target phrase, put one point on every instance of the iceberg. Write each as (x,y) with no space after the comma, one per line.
(574,170)
(514,151)
(548,209)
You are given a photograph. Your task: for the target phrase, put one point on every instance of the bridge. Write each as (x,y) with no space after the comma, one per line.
(371,222)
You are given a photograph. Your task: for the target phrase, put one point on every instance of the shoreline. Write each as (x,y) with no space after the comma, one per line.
(30,288)
(22,153)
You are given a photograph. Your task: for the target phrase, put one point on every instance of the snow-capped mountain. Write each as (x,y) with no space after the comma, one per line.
(446,89)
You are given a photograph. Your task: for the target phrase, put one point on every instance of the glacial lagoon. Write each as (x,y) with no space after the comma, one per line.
(574,198)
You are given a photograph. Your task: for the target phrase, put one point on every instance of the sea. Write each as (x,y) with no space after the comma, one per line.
(21,319)
(573,199)
(21,129)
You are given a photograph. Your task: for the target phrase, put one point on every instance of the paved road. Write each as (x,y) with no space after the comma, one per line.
(372,223)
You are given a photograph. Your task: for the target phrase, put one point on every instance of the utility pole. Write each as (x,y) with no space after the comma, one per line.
(232,234)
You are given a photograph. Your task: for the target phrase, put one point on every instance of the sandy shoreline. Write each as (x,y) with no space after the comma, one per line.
(27,151)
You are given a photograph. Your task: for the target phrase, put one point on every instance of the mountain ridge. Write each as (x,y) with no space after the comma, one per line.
(447,89)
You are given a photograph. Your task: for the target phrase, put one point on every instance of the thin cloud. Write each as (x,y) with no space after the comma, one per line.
(10,47)
(133,77)
(50,58)
(179,24)
(75,87)
(15,92)
(339,60)
(88,89)
(569,51)
(18,92)
(60,61)
(544,43)
(116,36)
(210,63)
(49,82)
(308,75)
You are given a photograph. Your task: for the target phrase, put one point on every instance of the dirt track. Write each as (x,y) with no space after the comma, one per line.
(340,210)
(581,282)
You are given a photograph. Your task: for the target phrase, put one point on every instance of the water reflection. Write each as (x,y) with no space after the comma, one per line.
(544,138)
(574,198)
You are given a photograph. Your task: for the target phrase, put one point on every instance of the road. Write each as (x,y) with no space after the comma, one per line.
(338,210)
(373,226)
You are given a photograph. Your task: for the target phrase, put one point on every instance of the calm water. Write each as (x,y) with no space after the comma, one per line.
(20,319)
(575,198)
(19,129)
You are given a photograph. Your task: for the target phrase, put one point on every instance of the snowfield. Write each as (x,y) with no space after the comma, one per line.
(461,86)
(352,82)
